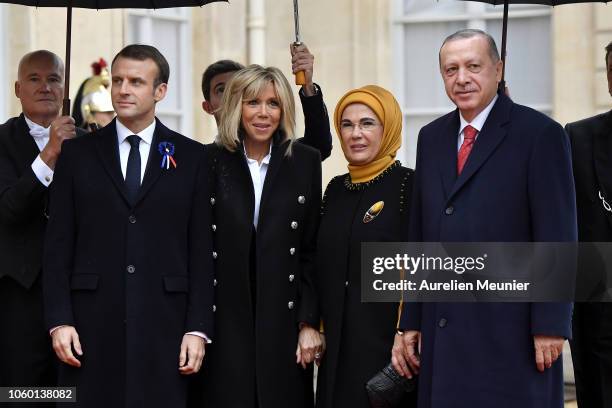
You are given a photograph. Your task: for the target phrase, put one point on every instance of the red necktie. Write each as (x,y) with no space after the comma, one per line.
(469,136)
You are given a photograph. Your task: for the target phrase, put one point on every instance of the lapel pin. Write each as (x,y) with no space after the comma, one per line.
(166,149)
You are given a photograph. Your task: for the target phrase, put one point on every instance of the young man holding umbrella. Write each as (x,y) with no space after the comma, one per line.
(128,272)
(592,325)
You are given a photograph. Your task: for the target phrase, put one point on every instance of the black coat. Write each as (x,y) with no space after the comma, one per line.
(23,204)
(359,335)
(131,278)
(591,141)
(519,164)
(253,353)
(316,123)
(26,356)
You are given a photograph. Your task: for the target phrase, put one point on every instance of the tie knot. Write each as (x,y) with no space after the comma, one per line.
(134,141)
(469,133)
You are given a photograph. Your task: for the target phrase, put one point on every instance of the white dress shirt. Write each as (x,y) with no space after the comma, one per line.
(258,175)
(477,123)
(40,134)
(146,138)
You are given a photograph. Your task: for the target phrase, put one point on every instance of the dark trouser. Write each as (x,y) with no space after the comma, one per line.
(592,354)
(26,355)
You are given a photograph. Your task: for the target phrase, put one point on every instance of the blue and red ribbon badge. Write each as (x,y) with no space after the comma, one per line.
(166,149)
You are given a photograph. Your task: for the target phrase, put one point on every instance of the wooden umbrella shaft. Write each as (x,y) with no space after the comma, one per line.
(66,104)
(502,83)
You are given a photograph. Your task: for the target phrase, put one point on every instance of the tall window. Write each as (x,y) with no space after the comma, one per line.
(4,82)
(169,30)
(419,28)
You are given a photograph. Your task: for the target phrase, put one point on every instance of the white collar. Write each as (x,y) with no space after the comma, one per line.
(265,160)
(146,134)
(34,125)
(479,120)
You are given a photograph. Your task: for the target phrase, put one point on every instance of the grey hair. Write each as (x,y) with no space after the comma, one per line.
(471,33)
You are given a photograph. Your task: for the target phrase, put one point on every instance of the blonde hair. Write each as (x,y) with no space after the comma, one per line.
(247,84)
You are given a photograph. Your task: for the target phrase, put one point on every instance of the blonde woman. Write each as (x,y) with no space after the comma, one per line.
(266,203)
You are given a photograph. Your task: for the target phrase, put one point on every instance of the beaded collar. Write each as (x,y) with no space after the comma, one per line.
(360,186)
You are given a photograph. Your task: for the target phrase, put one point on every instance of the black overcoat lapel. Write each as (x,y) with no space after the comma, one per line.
(491,135)
(602,157)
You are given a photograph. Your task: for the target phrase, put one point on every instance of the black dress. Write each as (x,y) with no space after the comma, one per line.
(359,335)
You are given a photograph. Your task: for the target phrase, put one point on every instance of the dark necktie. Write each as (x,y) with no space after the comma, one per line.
(132,173)
(469,136)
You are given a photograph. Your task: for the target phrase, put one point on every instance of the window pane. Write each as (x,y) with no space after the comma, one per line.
(528,68)
(423,83)
(414,7)
(171,121)
(166,37)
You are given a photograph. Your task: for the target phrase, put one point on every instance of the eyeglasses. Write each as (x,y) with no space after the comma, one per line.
(366,125)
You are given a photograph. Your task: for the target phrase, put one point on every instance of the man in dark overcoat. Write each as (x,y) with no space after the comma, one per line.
(490,171)
(29,147)
(128,271)
(591,141)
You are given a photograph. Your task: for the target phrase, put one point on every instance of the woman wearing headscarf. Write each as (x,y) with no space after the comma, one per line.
(266,204)
(368,204)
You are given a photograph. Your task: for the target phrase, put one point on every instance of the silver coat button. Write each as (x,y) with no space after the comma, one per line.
(214,282)
(291,278)
(131,269)
(212,200)
(214,227)
(346,283)
(290,305)
(294,225)
(214,255)
(214,308)
(292,251)
(301,199)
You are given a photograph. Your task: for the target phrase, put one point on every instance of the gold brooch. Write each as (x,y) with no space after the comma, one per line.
(373,212)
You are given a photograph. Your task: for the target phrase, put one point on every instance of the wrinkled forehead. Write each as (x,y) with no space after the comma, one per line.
(40,63)
(463,49)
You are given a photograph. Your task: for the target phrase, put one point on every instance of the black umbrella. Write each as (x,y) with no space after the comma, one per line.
(97,5)
(502,84)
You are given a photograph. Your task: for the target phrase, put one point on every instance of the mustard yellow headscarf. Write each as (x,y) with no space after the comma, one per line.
(389,113)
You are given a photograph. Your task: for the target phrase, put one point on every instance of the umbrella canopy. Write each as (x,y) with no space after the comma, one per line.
(99,5)
(506,3)
(112,4)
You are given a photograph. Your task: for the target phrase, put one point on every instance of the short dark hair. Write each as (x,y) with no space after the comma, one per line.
(608,51)
(471,33)
(217,68)
(141,52)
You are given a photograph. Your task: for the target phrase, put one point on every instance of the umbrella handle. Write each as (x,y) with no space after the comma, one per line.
(300,78)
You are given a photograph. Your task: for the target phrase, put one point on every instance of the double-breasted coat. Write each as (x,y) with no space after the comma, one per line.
(253,355)
(359,336)
(131,277)
(591,141)
(516,186)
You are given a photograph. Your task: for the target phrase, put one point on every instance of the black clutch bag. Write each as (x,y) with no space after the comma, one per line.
(387,388)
